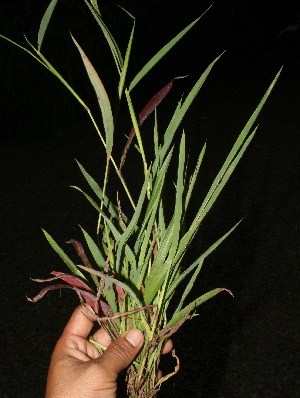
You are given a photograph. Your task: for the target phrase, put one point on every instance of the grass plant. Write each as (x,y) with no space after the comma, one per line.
(130,270)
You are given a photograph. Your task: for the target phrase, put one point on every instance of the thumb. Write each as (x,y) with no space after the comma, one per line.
(121,352)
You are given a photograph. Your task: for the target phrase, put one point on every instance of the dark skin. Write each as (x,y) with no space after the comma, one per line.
(77,370)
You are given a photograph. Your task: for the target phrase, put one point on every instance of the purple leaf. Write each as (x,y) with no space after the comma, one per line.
(70,279)
(80,251)
(84,292)
(42,293)
(146,111)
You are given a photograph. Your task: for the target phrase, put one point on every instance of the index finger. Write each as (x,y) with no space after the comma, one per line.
(80,324)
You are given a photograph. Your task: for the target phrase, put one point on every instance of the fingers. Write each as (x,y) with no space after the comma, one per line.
(167,347)
(102,337)
(80,323)
(121,352)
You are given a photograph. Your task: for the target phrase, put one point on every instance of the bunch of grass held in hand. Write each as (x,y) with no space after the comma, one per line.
(135,261)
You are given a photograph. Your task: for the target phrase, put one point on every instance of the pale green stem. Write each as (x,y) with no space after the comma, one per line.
(103,194)
(112,160)
(137,130)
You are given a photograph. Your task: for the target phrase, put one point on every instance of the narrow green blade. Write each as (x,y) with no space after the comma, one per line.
(44,23)
(194,177)
(182,109)
(94,249)
(112,209)
(160,268)
(198,269)
(161,53)
(178,198)
(54,71)
(102,97)
(90,200)
(63,255)
(187,312)
(126,62)
(108,36)
(95,6)
(137,212)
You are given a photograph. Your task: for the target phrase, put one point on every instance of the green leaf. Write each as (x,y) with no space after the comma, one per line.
(155,197)
(224,174)
(112,209)
(137,130)
(182,109)
(161,266)
(126,62)
(198,265)
(103,99)
(92,202)
(137,212)
(44,23)
(161,53)
(95,6)
(94,249)
(194,177)
(108,36)
(178,198)
(187,312)
(63,255)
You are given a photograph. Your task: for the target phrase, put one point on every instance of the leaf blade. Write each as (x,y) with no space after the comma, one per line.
(45,22)
(162,52)
(102,97)
(63,255)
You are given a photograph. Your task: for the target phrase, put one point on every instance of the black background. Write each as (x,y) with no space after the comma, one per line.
(235,348)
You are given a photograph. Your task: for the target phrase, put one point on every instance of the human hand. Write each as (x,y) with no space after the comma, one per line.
(77,370)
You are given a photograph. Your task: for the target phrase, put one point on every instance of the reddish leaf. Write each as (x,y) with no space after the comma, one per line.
(88,297)
(80,251)
(146,111)
(70,279)
(100,307)
(120,293)
(42,293)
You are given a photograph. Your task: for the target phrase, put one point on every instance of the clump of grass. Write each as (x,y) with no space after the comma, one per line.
(136,261)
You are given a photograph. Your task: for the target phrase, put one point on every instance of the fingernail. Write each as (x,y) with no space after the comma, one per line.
(135,337)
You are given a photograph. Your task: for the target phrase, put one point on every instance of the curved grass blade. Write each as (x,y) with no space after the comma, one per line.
(108,36)
(112,209)
(194,304)
(155,197)
(63,255)
(26,50)
(137,130)
(51,68)
(44,23)
(208,203)
(108,291)
(198,265)
(239,146)
(225,172)
(162,52)
(137,213)
(146,112)
(160,267)
(182,109)
(92,202)
(94,249)
(126,62)
(194,177)
(95,6)
(178,198)
(102,97)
